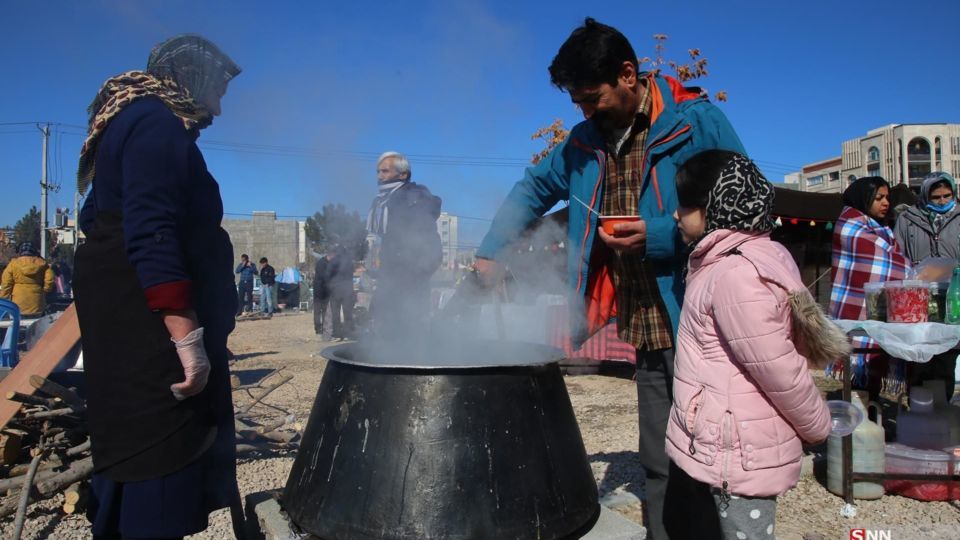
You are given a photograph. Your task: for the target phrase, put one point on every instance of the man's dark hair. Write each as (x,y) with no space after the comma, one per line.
(697,176)
(263,260)
(244,256)
(593,54)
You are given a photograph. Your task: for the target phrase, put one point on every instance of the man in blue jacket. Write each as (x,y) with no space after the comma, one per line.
(639,128)
(246,270)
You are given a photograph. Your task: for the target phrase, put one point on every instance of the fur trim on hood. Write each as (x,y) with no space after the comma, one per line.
(814,334)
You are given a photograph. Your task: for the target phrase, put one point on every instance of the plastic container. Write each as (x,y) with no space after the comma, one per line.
(868,453)
(904,459)
(937,304)
(924,426)
(940,405)
(875,300)
(907,301)
(844,417)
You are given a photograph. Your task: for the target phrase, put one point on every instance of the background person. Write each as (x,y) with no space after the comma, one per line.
(155,299)
(864,251)
(268,277)
(321,291)
(246,270)
(621,160)
(931,228)
(340,282)
(403,217)
(27,281)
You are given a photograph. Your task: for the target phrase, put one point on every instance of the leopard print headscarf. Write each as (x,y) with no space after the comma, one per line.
(118,92)
(742,199)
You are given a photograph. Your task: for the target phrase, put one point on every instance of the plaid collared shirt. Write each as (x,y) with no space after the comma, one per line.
(642,318)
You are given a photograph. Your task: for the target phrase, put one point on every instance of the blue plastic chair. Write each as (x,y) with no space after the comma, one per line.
(8,349)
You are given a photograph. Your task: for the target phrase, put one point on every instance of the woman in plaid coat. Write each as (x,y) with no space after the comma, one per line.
(863,251)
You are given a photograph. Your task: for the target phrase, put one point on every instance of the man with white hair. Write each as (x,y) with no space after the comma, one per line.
(403,218)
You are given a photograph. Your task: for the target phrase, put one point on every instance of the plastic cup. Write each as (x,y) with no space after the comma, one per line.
(844,417)
(608,222)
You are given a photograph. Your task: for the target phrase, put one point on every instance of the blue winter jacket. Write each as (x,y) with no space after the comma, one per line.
(683,124)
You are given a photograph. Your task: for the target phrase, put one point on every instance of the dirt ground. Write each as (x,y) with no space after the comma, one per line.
(606,412)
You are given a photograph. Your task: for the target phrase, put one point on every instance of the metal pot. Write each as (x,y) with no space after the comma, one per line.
(425,451)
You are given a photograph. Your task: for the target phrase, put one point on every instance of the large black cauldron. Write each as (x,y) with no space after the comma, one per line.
(418,452)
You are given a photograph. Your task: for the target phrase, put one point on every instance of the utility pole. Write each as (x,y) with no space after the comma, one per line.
(43,191)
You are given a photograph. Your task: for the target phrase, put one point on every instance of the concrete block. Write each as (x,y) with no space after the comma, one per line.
(267,521)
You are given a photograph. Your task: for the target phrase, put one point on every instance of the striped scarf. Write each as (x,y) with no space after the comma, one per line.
(118,92)
(377,218)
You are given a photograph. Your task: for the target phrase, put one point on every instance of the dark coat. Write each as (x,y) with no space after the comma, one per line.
(321,279)
(150,170)
(154,242)
(411,249)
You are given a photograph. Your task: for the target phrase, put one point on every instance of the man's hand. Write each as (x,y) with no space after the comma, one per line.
(491,272)
(628,237)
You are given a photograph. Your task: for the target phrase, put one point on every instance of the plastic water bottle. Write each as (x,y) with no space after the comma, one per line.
(953,299)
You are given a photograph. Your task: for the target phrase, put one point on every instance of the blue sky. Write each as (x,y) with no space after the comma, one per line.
(459,85)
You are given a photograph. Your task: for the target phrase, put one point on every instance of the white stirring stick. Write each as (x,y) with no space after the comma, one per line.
(585,205)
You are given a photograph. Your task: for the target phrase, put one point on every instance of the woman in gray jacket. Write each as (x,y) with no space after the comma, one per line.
(931,228)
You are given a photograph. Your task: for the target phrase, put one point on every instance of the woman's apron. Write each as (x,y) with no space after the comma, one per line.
(138,430)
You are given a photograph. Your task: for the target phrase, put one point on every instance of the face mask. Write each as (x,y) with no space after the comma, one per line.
(942,208)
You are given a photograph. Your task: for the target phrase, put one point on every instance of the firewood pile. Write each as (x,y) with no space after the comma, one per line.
(45,448)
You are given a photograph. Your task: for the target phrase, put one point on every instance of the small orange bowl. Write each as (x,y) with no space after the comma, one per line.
(608,222)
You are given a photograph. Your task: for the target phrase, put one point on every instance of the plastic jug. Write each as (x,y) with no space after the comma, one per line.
(924,426)
(868,454)
(942,407)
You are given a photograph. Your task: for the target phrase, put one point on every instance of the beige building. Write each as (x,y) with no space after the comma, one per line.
(281,241)
(447,226)
(900,153)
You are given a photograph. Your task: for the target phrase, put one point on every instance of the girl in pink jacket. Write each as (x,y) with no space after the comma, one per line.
(743,399)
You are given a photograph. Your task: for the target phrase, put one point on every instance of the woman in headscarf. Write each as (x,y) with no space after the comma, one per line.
(864,251)
(156,300)
(931,228)
(743,399)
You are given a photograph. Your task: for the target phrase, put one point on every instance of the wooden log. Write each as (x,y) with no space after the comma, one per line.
(10,444)
(279,436)
(14,482)
(266,392)
(78,471)
(25,496)
(267,428)
(251,447)
(52,462)
(51,414)
(30,400)
(68,396)
(40,360)
(74,493)
(79,449)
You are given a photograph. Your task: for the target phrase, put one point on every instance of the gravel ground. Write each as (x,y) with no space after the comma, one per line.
(606,411)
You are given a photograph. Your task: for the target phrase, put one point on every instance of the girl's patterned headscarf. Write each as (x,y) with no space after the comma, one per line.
(742,199)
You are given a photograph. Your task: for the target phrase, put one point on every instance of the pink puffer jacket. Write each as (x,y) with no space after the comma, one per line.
(742,395)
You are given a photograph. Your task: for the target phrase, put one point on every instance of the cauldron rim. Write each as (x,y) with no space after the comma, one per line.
(543,355)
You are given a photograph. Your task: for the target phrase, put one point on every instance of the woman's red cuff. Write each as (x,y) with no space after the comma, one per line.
(170,295)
